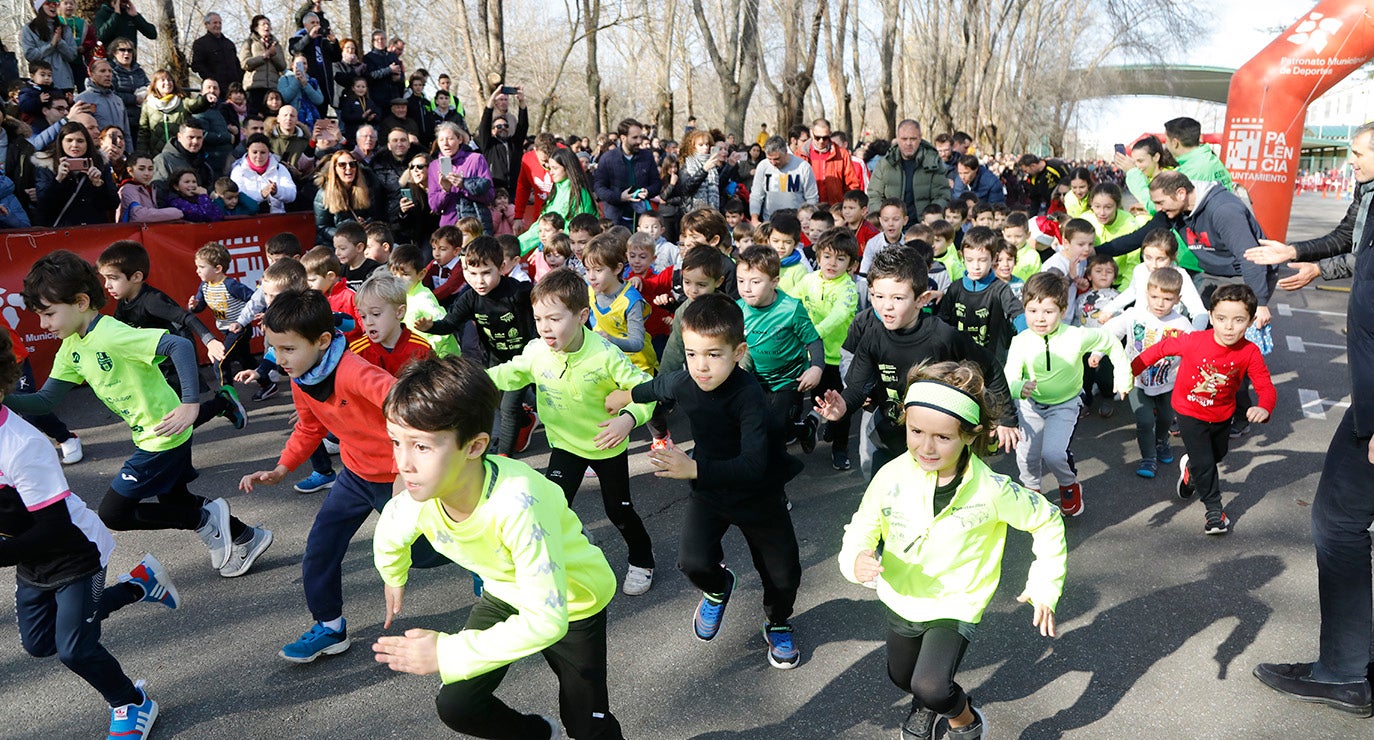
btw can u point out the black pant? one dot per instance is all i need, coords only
(1097, 378)
(767, 529)
(237, 347)
(510, 418)
(578, 659)
(176, 509)
(66, 622)
(1341, 515)
(839, 430)
(567, 469)
(784, 409)
(922, 659)
(1207, 443)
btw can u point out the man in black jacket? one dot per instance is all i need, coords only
(499, 144)
(215, 57)
(1042, 180)
(385, 74)
(1343, 509)
(321, 50)
(626, 177)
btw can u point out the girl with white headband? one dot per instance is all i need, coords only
(940, 517)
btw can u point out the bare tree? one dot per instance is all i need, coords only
(835, 37)
(591, 21)
(355, 24)
(888, 61)
(735, 57)
(798, 61)
(169, 38)
(377, 10)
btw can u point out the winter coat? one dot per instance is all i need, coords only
(251, 183)
(290, 149)
(503, 155)
(219, 143)
(201, 209)
(471, 199)
(159, 120)
(15, 217)
(216, 58)
(173, 158)
(61, 57)
(380, 86)
(19, 166)
(304, 95)
(834, 171)
(110, 25)
(129, 84)
(344, 75)
(138, 204)
(74, 201)
(109, 108)
(697, 187)
(326, 221)
(260, 72)
(928, 184)
(353, 114)
(614, 174)
(986, 186)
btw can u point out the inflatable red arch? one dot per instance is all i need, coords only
(1266, 105)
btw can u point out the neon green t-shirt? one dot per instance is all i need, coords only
(119, 363)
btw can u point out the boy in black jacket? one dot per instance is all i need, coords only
(737, 472)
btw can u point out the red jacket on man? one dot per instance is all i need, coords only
(835, 173)
(532, 188)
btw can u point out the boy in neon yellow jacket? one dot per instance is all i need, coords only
(546, 586)
(573, 369)
(942, 516)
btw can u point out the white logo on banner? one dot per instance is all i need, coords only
(1315, 31)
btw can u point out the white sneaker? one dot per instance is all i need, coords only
(215, 532)
(71, 450)
(555, 729)
(331, 447)
(638, 580)
(242, 557)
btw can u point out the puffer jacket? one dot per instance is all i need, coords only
(160, 119)
(929, 183)
(109, 107)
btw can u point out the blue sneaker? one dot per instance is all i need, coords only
(1164, 454)
(477, 585)
(1147, 468)
(156, 584)
(233, 407)
(320, 640)
(782, 652)
(711, 611)
(133, 721)
(316, 482)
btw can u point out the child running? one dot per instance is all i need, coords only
(831, 301)
(737, 470)
(1211, 368)
(61, 550)
(940, 515)
(573, 369)
(120, 364)
(978, 304)
(1044, 372)
(1142, 326)
(546, 587)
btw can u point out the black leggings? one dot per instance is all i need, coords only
(567, 469)
(578, 659)
(922, 659)
(176, 509)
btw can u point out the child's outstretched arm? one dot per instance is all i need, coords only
(1028, 511)
(627, 376)
(183, 356)
(858, 558)
(397, 529)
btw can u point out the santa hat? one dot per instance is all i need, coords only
(1045, 230)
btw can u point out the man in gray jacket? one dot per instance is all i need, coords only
(781, 181)
(100, 92)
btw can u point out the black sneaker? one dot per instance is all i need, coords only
(1185, 479)
(1294, 680)
(233, 408)
(810, 427)
(975, 730)
(1217, 523)
(839, 460)
(1239, 430)
(265, 392)
(920, 724)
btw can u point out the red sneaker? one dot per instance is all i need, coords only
(1071, 499)
(522, 437)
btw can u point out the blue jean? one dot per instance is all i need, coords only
(1342, 513)
(343, 511)
(65, 622)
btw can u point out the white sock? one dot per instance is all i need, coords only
(334, 624)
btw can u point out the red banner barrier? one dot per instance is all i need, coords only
(171, 247)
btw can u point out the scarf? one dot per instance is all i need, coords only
(255, 168)
(240, 110)
(329, 362)
(792, 259)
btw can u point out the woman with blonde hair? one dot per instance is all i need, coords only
(346, 193)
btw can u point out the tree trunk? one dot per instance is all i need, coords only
(735, 59)
(377, 9)
(888, 47)
(169, 37)
(495, 14)
(591, 20)
(479, 85)
(355, 25)
(855, 136)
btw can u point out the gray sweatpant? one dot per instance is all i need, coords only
(1048, 431)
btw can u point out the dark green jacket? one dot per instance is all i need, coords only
(928, 184)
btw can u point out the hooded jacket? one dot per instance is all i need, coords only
(175, 157)
(834, 171)
(928, 183)
(109, 107)
(251, 183)
(1218, 231)
(987, 186)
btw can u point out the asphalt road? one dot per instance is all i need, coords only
(1160, 625)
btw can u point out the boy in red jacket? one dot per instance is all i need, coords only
(1210, 372)
(333, 389)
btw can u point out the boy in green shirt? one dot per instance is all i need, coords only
(1045, 374)
(407, 262)
(573, 369)
(831, 301)
(786, 353)
(120, 364)
(546, 586)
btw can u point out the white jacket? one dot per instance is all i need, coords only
(251, 183)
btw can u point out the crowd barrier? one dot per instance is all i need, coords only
(172, 248)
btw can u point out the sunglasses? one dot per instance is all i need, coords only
(418, 166)
(345, 165)
(125, 50)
